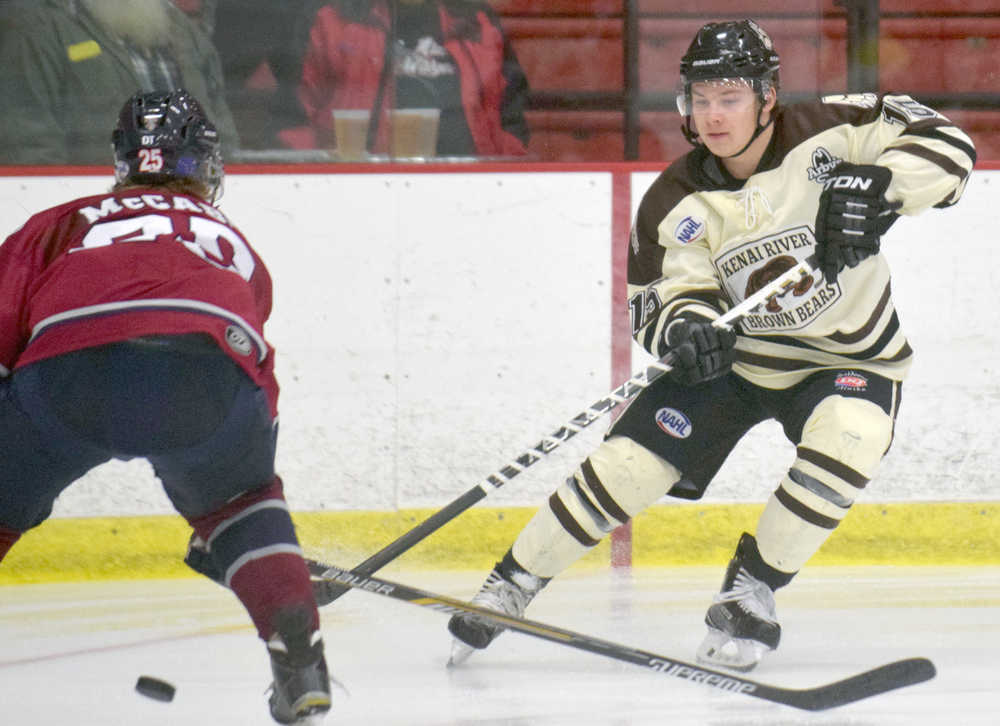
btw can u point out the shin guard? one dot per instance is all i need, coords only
(252, 542)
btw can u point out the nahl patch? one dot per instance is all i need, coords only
(673, 422)
(689, 229)
(850, 381)
(238, 340)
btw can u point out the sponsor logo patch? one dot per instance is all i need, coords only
(238, 340)
(689, 229)
(823, 162)
(850, 381)
(673, 422)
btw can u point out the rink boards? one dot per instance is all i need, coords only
(433, 323)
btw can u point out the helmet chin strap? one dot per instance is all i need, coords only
(760, 129)
(692, 137)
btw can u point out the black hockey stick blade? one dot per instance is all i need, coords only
(889, 677)
(885, 678)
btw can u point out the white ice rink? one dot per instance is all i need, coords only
(70, 653)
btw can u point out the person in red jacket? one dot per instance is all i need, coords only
(131, 326)
(446, 54)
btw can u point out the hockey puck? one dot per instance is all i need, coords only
(155, 688)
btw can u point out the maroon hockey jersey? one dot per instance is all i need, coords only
(132, 263)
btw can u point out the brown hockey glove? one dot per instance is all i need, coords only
(701, 350)
(853, 215)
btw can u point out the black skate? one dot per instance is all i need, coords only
(300, 693)
(742, 621)
(508, 589)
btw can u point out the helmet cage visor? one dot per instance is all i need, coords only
(689, 103)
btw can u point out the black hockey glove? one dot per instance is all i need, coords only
(853, 214)
(702, 351)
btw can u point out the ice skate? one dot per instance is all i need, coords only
(742, 621)
(300, 693)
(508, 589)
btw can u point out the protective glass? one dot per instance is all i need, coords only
(722, 95)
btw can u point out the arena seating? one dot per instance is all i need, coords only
(928, 47)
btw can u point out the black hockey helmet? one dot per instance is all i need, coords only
(734, 49)
(165, 135)
(731, 49)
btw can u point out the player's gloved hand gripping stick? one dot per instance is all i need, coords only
(701, 350)
(328, 591)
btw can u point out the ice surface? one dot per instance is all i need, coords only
(71, 653)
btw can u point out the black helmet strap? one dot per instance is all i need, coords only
(692, 137)
(761, 128)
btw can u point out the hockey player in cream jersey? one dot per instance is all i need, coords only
(765, 187)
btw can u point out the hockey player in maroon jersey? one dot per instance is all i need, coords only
(131, 325)
(766, 187)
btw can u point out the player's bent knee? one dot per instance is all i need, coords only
(845, 438)
(616, 482)
(843, 441)
(632, 476)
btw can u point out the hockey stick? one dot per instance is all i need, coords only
(625, 392)
(885, 678)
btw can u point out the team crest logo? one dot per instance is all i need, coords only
(689, 229)
(850, 381)
(774, 269)
(745, 269)
(673, 422)
(823, 162)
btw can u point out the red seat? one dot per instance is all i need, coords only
(585, 8)
(965, 7)
(558, 54)
(982, 127)
(663, 42)
(577, 46)
(949, 54)
(598, 136)
(707, 10)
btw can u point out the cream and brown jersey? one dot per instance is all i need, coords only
(703, 241)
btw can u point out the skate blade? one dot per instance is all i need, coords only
(460, 653)
(723, 650)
